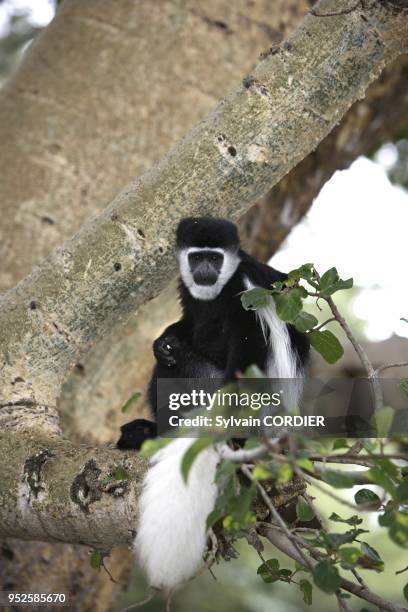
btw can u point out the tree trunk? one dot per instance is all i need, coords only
(103, 92)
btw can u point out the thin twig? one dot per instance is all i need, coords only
(139, 604)
(356, 448)
(168, 601)
(285, 545)
(343, 459)
(325, 323)
(108, 572)
(367, 365)
(397, 364)
(241, 455)
(358, 578)
(358, 478)
(212, 553)
(275, 514)
(351, 458)
(343, 605)
(310, 500)
(337, 498)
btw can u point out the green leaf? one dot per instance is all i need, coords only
(337, 480)
(119, 473)
(326, 576)
(229, 486)
(340, 443)
(305, 321)
(399, 529)
(383, 418)
(386, 519)
(150, 447)
(261, 472)
(401, 494)
(349, 554)
(388, 467)
(269, 571)
(379, 477)
(133, 398)
(305, 464)
(214, 516)
(253, 371)
(284, 473)
(328, 279)
(304, 512)
(192, 453)
(326, 343)
(256, 298)
(307, 590)
(306, 272)
(240, 505)
(330, 282)
(371, 553)
(405, 591)
(365, 496)
(96, 560)
(333, 540)
(225, 470)
(289, 304)
(353, 520)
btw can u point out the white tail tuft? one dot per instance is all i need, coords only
(171, 535)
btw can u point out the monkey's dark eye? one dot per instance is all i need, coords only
(196, 257)
(214, 257)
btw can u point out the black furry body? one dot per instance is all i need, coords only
(214, 339)
(218, 338)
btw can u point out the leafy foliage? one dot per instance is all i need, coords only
(289, 299)
(96, 559)
(326, 550)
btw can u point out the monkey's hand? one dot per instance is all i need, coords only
(167, 350)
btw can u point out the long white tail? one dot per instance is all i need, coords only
(282, 360)
(171, 534)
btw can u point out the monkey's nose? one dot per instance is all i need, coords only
(205, 274)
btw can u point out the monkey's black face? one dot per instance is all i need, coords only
(208, 255)
(205, 266)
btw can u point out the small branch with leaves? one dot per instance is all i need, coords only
(252, 480)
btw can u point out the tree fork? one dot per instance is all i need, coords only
(281, 111)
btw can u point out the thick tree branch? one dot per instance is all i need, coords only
(57, 492)
(380, 116)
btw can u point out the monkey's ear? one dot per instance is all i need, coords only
(135, 433)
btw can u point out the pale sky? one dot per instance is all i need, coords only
(40, 12)
(359, 223)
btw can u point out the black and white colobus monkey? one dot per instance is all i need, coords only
(215, 338)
